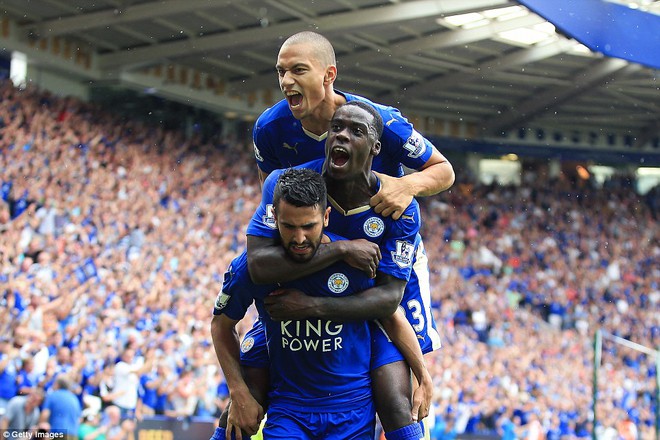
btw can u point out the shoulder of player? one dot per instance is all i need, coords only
(410, 218)
(271, 179)
(316, 165)
(237, 272)
(272, 115)
(393, 120)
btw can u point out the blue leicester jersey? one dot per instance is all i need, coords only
(315, 364)
(398, 239)
(280, 141)
(400, 243)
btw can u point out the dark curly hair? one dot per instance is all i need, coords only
(300, 187)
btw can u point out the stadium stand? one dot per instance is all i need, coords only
(114, 236)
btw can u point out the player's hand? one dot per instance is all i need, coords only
(393, 197)
(245, 415)
(422, 398)
(363, 255)
(289, 304)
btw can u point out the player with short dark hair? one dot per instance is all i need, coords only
(351, 146)
(319, 368)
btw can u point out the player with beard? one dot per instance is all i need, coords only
(319, 368)
(351, 145)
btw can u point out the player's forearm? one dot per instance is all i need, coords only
(374, 303)
(268, 263)
(430, 180)
(227, 350)
(404, 338)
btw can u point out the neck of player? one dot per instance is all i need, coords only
(352, 193)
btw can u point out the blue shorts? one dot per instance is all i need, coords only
(287, 424)
(383, 350)
(416, 303)
(254, 350)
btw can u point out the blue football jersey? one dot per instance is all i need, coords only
(398, 239)
(315, 364)
(401, 248)
(280, 141)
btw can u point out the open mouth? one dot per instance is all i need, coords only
(294, 99)
(300, 249)
(339, 156)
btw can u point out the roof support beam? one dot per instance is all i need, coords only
(99, 19)
(335, 22)
(524, 111)
(517, 58)
(416, 45)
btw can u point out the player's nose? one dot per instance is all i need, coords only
(299, 236)
(286, 79)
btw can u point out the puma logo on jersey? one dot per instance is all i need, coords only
(388, 123)
(289, 147)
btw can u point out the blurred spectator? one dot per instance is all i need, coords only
(9, 365)
(127, 382)
(62, 409)
(22, 412)
(183, 400)
(116, 428)
(91, 428)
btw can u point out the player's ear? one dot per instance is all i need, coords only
(375, 150)
(326, 217)
(330, 75)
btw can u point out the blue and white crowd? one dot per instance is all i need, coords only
(114, 237)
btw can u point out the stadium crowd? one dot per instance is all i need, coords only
(115, 235)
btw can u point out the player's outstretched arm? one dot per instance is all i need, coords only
(403, 336)
(376, 302)
(268, 262)
(245, 413)
(395, 194)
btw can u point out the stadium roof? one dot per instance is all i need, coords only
(493, 65)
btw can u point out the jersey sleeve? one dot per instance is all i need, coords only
(262, 223)
(411, 148)
(236, 294)
(400, 242)
(263, 146)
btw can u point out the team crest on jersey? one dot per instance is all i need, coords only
(374, 226)
(338, 282)
(415, 145)
(247, 344)
(403, 255)
(257, 153)
(269, 218)
(221, 301)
